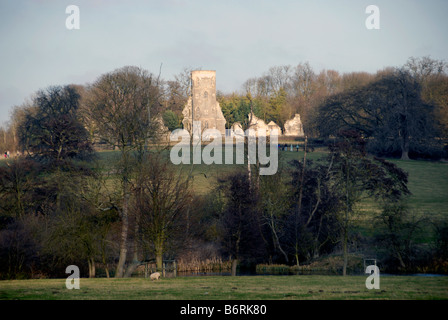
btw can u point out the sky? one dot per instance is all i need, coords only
(238, 39)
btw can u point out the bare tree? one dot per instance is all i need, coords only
(123, 105)
(162, 198)
(423, 68)
(178, 91)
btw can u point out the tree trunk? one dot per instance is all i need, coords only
(91, 263)
(124, 233)
(344, 268)
(405, 148)
(135, 261)
(347, 211)
(159, 261)
(404, 155)
(159, 254)
(277, 240)
(400, 259)
(299, 205)
(297, 257)
(107, 271)
(344, 243)
(237, 247)
(131, 268)
(404, 138)
(103, 256)
(234, 265)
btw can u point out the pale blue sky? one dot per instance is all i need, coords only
(239, 39)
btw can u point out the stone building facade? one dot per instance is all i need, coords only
(202, 105)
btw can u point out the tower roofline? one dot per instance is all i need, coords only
(203, 71)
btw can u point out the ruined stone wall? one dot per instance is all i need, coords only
(294, 127)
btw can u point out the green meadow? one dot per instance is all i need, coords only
(230, 288)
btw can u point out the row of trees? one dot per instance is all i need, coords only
(307, 210)
(61, 205)
(397, 111)
(402, 110)
(56, 213)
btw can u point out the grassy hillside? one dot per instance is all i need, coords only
(428, 181)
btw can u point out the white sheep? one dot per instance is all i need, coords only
(155, 276)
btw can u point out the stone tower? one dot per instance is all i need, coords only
(202, 105)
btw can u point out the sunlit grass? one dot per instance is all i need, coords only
(230, 288)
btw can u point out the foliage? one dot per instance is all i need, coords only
(58, 206)
(399, 228)
(239, 223)
(124, 106)
(390, 111)
(18, 185)
(162, 198)
(354, 175)
(313, 225)
(171, 120)
(51, 130)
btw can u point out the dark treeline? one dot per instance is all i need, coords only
(61, 204)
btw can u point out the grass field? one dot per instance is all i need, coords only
(230, 288)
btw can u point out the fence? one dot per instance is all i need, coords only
(169, 267)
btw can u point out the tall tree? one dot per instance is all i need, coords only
(50, 132)
(432, 76)
(315, 209)
(356, 176)
(274, 194)
(425, 68)
(51, 129)
(178, 91)
(437, 94)
(408, 119)
(163, 196)
(124, 105)
(390, 110)
(239, 223)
